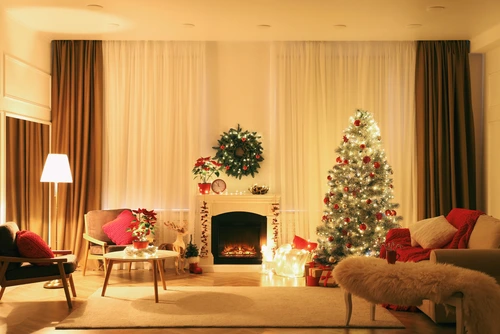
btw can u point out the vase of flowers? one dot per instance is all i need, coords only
(142, 227)
(205, 169)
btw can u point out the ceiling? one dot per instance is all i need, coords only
(260, 20)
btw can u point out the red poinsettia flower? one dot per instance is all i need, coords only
(205, 168)
(144, 223)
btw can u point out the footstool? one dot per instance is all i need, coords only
(378, 282)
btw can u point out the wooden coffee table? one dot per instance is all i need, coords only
(155, 260)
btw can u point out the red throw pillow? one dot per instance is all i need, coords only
(32, 245)
(116, 229)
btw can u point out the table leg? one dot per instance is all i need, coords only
(162, 277)
(348, 307)
(106, 279)
(155, 278)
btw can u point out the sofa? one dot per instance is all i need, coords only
(474, 244)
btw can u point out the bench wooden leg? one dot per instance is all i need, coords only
(372, 312)
(348, 307)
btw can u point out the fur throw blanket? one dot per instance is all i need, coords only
(409, 283)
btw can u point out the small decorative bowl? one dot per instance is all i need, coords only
(258, 190)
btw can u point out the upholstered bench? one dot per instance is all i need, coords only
(475, 295)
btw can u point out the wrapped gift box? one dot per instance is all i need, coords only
(326, 279)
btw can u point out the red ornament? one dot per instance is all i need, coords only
(372, 175)
(243, 139)
(362, 146)
(336, 206)
(257, 156)
(326, 200)
(245, 167)
(339, 159)
(366, 159)
(346, 189)
(362, 226)
(368, 201)
(393, 213)
(330, 238)
(347, 219)
(331, 193)
(376, 164)
(357, 122)
(390, 186)
(348, 245)
(345, 139)
(346, 162)
(222, 147)
(324, 218)
(329, 177)
(388, 212)
(228, 167)
(344, 232)
(379, 215)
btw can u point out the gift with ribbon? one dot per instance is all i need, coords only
(326, 279)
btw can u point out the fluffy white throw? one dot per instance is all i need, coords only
(409, 283)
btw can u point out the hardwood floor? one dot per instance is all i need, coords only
(33, 309)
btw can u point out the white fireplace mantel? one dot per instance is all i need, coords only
(213, 205)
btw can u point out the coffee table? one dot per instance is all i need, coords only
(155, 260)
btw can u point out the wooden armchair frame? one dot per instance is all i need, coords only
(59, 261)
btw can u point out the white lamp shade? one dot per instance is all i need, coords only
(56, 169)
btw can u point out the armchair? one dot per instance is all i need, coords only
(97, 242)
(17, 270)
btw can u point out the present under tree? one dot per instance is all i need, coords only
(358, 206)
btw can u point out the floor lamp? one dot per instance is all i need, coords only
(56, 170)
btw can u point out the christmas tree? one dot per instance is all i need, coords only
(358, 210)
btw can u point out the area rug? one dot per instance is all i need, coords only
(215, 306)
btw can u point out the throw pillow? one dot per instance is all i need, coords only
(33, 246)
(433, 232)
(116, 229)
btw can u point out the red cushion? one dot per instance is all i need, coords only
(116, 229)
(32, 245)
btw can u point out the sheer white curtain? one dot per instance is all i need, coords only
(154, 98)
(318, 86)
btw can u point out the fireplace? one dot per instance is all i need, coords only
(237, 237)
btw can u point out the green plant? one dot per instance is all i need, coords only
(191, 249)
(143, 225)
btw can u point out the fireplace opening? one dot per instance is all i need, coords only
(237, 237)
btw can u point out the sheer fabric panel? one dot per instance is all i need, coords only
(318, 87)
(154, 95)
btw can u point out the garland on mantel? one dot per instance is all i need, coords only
(275, 209)
(204, 229)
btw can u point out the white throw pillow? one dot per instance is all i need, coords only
(432, 232)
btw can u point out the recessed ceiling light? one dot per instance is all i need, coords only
(264, 26)
(95, 6)
(188, 25)
(339, 26)
(435, 8)
(414, 26)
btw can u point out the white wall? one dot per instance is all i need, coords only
(24, 82)
(492, 130)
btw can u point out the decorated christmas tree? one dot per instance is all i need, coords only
(358, 209)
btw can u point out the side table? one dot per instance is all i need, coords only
(155, 260)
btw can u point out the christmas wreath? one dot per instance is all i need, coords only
(239, 152)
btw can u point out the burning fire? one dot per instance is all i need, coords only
(239, 251)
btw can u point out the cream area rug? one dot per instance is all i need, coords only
(216, 306)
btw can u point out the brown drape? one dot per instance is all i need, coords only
(77, 121)
(27, 198)
(445, 128)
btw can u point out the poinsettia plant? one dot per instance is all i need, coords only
(143, 224)
(205, 169)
